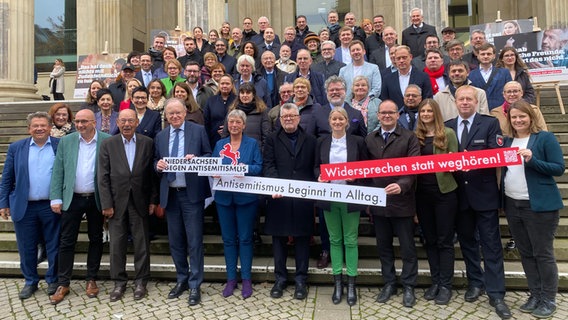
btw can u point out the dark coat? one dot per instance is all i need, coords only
(214, 114)
(391, 86)
(196, 143)
(151, 124)
(401, 143)
(374, 42)
(356, 151)
(485, 133)
(275, 48)
(328, 69)
(194, 56)
(317, 82)
(257, 127)
(279, 77)
(229, 62)
(259, 84)
(378, 55)
(289, 216)
(313, 119)
(416, 40)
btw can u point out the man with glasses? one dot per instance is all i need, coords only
(291, 41)
(227, 60)
(289, 153)
(375, 40)
(183, 195)
(128, 192)
(397, 217)
(432, 42)
(329, 66)
(336, 89)
(145, 74)
(248, 32)
(200, 93)
(74, 191)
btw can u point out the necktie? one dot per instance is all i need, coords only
(147, 79)
(465, 134)
(386, 136)
(174, 153)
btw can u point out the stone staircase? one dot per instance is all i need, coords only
(13, 127)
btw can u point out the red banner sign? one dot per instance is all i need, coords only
(469, 160)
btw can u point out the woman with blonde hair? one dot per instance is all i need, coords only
(127, 102)
(57, 80)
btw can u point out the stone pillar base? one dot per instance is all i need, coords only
(17, 91)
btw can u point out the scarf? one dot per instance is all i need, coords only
(361, 106)
(60, 132)
(433, 76)
(247, 108)
(506, 106)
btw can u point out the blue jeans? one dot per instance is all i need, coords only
(534, 236)
(237, 224)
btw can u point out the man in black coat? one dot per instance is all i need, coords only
(397, 218)
(289, 153)
(191, 53)
(415, 35)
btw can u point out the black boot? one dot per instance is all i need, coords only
(351, 291)
(337, 289)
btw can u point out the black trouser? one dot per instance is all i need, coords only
(70, 223)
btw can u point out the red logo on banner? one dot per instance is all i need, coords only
(228, 153)
(470, 160)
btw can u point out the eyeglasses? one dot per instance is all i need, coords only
(289, 117)
(387, 113)
(411, 95)
(139, 98)
(512, 91)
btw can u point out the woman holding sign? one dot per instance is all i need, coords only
(532, 201)
(342, 219)
(437, 201)
(237, 211)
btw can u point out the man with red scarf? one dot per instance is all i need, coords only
(435, 69)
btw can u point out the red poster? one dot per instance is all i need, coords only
(469, 160)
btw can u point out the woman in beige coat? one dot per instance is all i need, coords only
(57, 80)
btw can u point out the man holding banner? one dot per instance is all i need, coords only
(397, 218)
(478, 132)
(289, 153)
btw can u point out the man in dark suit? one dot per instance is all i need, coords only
(478, 220)
(289, 153)
(24, 195)
(394, 84)
(145, 75)
(274, 76)
(397, 218)
(381, 55)
(269, 43)
(375, 40)
(304, 61)
(183, 196)
(228, 61)
(358, 32)
(128, 196)
(329, 66)
(74, 192)
(489, 78)
(415, 35)
(191, 53)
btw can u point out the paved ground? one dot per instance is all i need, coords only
(317, 306)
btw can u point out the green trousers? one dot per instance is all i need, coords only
(343, 228)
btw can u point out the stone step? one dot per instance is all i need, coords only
(162, 267)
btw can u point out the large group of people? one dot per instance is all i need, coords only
(343, 94)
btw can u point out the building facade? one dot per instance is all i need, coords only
(91, 26)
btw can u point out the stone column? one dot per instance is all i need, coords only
(17, 50)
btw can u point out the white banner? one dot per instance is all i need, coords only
(303, 189)
(204, 166)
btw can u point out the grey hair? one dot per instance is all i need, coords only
(248, 59)
(413, 86)
(335, 79)
(38, 114)
(328, 42)
(416, 9)
(172, 100)
(237, 114)
(290, 106)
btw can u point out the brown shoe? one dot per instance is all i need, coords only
(92, 289)
(59, 295)
(117, 293)
(139, 291)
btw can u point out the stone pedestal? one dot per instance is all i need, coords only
(17, 50)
